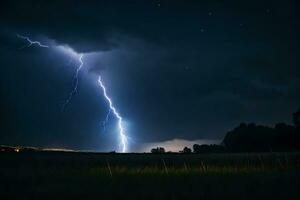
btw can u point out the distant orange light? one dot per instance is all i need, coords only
(17, 150)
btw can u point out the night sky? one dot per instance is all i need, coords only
(177, 71)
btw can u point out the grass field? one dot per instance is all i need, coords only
(60, 175)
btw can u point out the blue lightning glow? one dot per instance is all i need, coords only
(112, 109)
(122, 135)
(30, 42)
(75, 81)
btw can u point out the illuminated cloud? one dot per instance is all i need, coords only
(176, 145)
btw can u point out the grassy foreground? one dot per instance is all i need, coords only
(60, 175)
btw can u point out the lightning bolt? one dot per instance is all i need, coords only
(75, 82)
(30, 42)
(112, 109)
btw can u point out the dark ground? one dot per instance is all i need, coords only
(61, 175)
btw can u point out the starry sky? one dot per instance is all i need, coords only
(178, 72)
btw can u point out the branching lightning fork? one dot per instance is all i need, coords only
(75, 79)
(30, 42)
(75, 82)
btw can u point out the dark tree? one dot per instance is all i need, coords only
(187, 150)
(250, 137)
(196, 148)
(204, 148)
(158, 150)
(257, 138)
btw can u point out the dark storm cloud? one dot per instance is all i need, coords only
(65, 22)
(184, 69)
(97, 25)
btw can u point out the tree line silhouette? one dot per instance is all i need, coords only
(253, 138)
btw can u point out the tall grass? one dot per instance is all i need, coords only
(148, 176)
